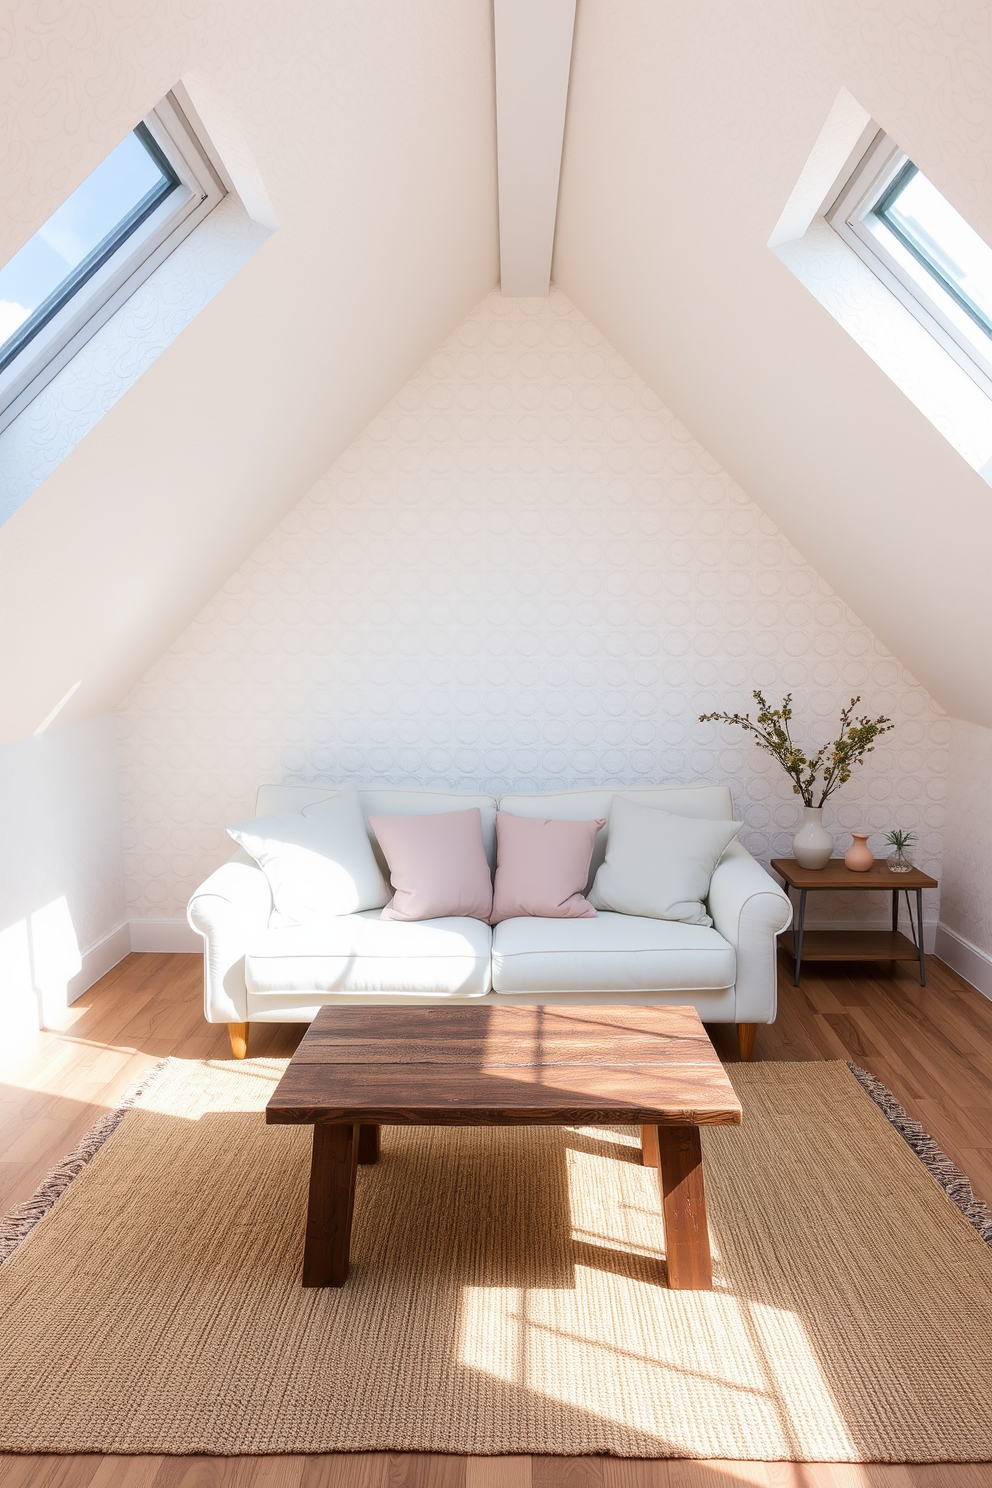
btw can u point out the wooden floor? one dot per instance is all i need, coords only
(932, 1046)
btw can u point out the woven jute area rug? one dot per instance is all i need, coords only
(508, 1291)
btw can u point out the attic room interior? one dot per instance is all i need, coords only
(446, 445)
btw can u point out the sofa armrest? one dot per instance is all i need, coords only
(751, 911)
(227, 909)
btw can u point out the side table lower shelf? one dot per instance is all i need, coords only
(856, 945)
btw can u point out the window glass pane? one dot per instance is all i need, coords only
(97, 216)
(924, 218)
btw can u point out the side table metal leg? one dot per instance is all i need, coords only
(916, 930)
(798, 951)
(895, 910)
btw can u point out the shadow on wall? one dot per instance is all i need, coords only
(39, 956)
(61, 870)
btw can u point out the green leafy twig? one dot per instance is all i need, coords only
(834, 762)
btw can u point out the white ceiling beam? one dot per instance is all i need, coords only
(533, 53)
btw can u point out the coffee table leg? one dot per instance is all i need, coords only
(368, 1144)
(687, 1241)
(331, 1205)
(649, 1146)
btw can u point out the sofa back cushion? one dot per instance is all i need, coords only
(437, 865)
(659, 864)
(542, 864)
(318, 862)
(713, 802)
(388, 800)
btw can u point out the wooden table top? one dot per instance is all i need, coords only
(836, 875)
(499, 1066)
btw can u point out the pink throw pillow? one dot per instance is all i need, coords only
(437, 865)
(542, 867)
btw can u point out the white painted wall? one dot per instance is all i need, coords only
(61, 869)
(372, 129)
(965, 934)
(526, 573)
(688, 128)
(123, 349)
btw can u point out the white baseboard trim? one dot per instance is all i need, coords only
(930, 928)
(964, 958)
(165, 935)
(97, 961)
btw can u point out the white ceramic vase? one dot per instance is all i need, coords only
(812, 845)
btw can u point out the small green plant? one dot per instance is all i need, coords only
(833, 764)
(900, 840)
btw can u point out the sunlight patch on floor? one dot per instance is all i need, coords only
(618, 1344)
(241, 1085)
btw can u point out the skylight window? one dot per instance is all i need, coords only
(95, 250)
(924, 250)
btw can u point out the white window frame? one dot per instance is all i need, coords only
(96, 300)
(923, 295)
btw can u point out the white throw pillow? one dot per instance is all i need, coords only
(319, 862)
(659, 865)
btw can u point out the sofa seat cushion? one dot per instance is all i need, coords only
(615, 952)
(365, 953)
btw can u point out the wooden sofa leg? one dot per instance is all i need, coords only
(239, 1039)
(745, 1038)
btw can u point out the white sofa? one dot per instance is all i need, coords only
(254, 974)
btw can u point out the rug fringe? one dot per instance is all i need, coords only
(951, 1179)
(17, 1224)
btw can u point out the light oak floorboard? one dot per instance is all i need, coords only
(125, 1472)
(931, 1045)
(498, 1472)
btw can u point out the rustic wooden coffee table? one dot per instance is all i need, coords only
(357, 1069)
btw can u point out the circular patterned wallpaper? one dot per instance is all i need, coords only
(526, 574)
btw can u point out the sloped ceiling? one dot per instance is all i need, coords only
(373, 129)
(688, 127)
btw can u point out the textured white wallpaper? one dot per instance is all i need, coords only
(524, 574)
(966, 901)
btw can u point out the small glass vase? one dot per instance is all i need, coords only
(901, 861)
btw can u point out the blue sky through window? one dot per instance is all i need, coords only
(941, 239)
(109, 203)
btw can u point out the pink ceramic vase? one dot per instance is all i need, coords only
(859, 855)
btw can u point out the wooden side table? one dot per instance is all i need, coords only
(856, 945)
